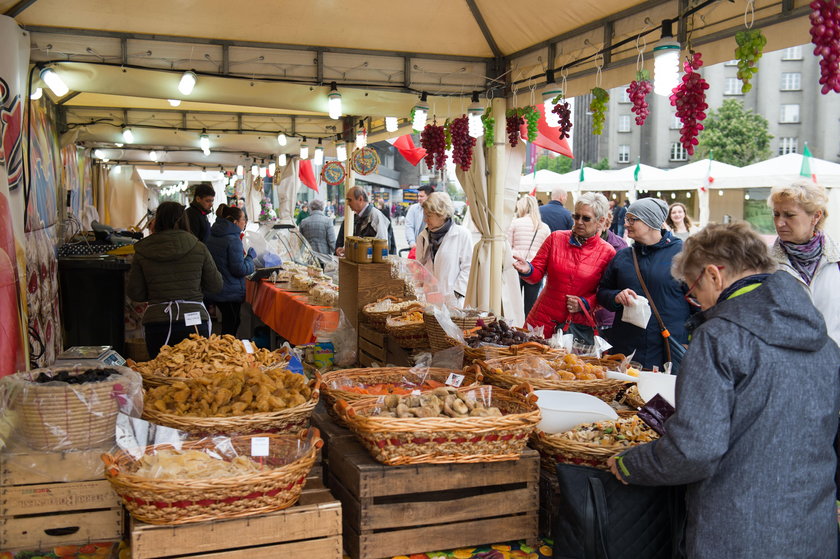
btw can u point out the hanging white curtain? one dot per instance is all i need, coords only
(286, 190)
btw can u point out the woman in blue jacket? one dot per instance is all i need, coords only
(233, 263)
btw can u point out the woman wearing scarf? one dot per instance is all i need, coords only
(804, 250)
(572, 263)
(445, 248)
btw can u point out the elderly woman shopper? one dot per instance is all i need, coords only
(445, 248)
(318, 229)
(572, 263)
(756, 410)
(654, 249)
(526, 235)
(803, 250)
(171, 270)
(225, 244)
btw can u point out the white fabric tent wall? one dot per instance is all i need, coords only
(286, 190)
(544, 179)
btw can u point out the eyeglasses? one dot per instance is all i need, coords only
(631, 220)
(691, 299)
(584, 218)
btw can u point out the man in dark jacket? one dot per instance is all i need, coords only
(318, 229)
(201, 206)
(554, 214)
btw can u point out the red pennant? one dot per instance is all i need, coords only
(307, 175)
(405, 145)
(548, 137)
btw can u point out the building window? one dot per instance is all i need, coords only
(676, 123)
(793, 53)
(791, 81)
(624, 153)
(624, 123)
(731, 63)
(732, 87)
(625, 97)
(788, 145)
(678, 152)
(789, 114)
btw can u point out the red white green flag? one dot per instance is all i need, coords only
(805, 170)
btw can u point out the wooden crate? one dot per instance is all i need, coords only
(39, 512)
(311, 528)
(400, 510)
(377, 349)
(364, 283)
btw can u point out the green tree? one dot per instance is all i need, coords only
(734, 135)
(560, 164)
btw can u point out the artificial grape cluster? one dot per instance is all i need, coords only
(564, 114)
(489, 127)
(689, 98)
(462, 142)
(433, 140)
(825, 34)
(513, 122)
(532, 117)
(637, 91)
(447, 135)
(750, 46)
(598, 108)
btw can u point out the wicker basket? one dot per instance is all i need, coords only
(65, 416)
(442, 440)
(495, 352)
(158, 501)
(289, 420)
(376, 319)
(152, 381)
(411, 335)
(495, 374)
(554, 450)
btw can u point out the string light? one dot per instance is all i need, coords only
(474, 112)
(720, 192)
(319, 154)
(341, 151)
(99, 154)
(187, 83)
(240, 170)
(272, 168)
(334, 102)
(128, 135)
(153, 155)
(255, 170)
(37, 94)
(281, 160)
(281, 139)
(174, 102)
(204, 143)
(421, 113)
(304, 149)
(666, 62)
(361, 138)
(392, 124)
(54, 82)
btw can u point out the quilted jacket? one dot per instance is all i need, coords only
(225, 246)
(523, 241)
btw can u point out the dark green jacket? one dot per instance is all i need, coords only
(172, 266)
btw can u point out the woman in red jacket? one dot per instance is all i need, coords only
(572, 263)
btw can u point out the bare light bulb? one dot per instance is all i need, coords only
(54, 82)
(319, 155)
(361, 138)
(334, 103)
(240, 171)
(255, 170)
(666, 62)
(341, 151)
(281, 160)
(475, 126)
(174, 102)
(187, 83)
(128, 135)
(281, 139)
(204, 142)
(392, 124)
(153, 155)
(304, 151)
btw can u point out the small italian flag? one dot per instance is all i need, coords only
(805, 170)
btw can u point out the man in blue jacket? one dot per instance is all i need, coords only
(554, 214)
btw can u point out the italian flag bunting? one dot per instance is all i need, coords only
(805, 170)
(637, 170)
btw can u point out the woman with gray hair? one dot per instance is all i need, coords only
(572, 263)
(756, 410)
(802, 248)
(445, 248)
(318, 229)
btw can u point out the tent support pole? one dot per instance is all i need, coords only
(496, 201)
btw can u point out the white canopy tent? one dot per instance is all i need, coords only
(781, 171)
(544, 179)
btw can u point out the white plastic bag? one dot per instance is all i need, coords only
(637, 314)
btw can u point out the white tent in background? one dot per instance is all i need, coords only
(622, 179)
(692, 176)
(782, 171)
(544, 179)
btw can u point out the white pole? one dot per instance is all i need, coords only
(496, 200)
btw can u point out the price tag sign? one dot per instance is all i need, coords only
(415, 392)
(259, 446)
(249, 348)
(192, 318)
(454, 379)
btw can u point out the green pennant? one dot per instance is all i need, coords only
(581, 173)
(637, 170)
(805, 170)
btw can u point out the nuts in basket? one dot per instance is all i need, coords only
(440, 402)
(240, 392)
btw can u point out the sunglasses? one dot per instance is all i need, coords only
(691, 299)
(584, 218)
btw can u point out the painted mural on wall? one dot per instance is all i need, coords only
(42, 210)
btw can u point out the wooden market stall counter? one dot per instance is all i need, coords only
(287, 312)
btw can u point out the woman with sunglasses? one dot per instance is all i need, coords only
(756, 411)
(655, 249)
(572, 263)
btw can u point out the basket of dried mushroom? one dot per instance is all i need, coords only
(445, 425)
(213, 479)
(376, 314)
(241, 401)
(198, 356)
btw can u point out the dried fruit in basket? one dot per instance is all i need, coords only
(499, 333)
(193, 464)
(240, 392)
(626, 431)
(440, 402)
(385, 388)
(76, 377)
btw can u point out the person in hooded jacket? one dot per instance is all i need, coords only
(655, 249)
(225, 245)
(171, 269)
(756, 409)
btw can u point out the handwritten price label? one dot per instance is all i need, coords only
(259, 446)
(249, 348)
(192, 318)
(454, 379)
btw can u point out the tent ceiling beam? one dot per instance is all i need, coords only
(16, 10)
(488, 36)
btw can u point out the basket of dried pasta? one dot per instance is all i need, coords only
(198, 356)
(558, 372)
(241, 401)
(407, 329)
(376, 314)
(447, 425)
(213, 478)
(591, 444)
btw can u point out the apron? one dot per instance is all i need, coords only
(177, 303)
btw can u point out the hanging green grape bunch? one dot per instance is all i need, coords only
(489, 125)
(447, 135)
(750, 46)
(598, 108)
(532, 118)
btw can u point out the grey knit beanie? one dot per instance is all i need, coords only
(652, 211)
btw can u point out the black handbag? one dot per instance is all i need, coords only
(601, 518)
(584, 335)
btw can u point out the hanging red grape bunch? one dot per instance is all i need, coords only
(564, 114)
(433, 140)
(825, 34)
(462, 142)
(637, 91)
(689, 98)
(512, 123)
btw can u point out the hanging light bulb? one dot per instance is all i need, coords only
(272, 169)
(99, 154)
(281, 139)
(666, 61)
(187, 83)
(421, 112)
(281, 160)
(263, 171)
(319, 153)
(117, 169)
(720, 192)
(174, 102)
(746, 196)
(673, 196)
(206, 152)
(204, 141)
(549, 93)
(334, 102)
(361, 138)
(54, 82)
(153, 155)
(37, 94)
(255, 170)
(240, 170)
(119, 144)
(304, 149)
(474, 112)
(392, 124)
(128, 135)
(341, 151)
(688, 194)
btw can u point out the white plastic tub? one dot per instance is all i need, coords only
(563, 410)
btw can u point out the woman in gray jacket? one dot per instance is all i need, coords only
(757, 407)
